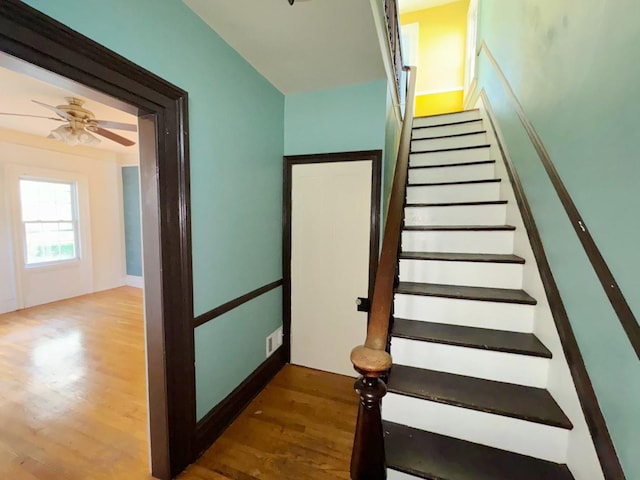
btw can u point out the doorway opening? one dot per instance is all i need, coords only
(90, 71)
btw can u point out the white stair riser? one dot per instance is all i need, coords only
(520, 436)
(461, 241)
(465, 192)
(472, 274)
(452, 174)
(443, 119)
(471, 362)
(450, 156)
(449, 142)
(396, 475)
(456, 215)
(512, 317)
(456, 129)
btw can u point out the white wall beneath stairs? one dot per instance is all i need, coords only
(102, 170)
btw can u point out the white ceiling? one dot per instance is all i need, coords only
(415, 5)
(16, 92)
(312, 45)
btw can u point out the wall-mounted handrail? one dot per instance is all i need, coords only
(372, 360)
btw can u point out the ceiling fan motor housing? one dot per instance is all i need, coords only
(79, 117)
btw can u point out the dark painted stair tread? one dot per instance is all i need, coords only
(484, 294)
(471, 337)
(427, 228)
(463, 257)
(436, 457)
(507, 399)
(451, 149)
(446, 124)
(448, 165)
(458, 204)
(462, 182)
(453, 135)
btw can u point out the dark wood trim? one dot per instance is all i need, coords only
(236, 302)
(222, 415)
(595, 420)
(375, 156)
(455, 149)
(609, 284)
(29, 35)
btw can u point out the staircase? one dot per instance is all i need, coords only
(467, 397)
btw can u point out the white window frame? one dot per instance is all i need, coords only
(74, 221)
(470, 72)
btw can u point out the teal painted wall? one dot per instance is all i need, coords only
(236, 120)
(131, 208)
(250, 323)
(574, 67)
(337, 120)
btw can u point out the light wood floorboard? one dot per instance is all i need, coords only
(73, 404)
(73, 390)
(300, 427)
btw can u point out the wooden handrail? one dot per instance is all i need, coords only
(371, 359)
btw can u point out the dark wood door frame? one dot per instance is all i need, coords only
(31, 36)
(375, 156)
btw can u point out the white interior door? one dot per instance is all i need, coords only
(330, 242)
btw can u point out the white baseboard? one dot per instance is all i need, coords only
(134, 281)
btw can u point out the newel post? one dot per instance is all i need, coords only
(367, 457)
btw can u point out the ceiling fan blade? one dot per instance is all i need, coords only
(61, 113)
(32, 116)
(129, 127)
(112, 136)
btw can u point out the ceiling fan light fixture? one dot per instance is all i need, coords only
(69, 136)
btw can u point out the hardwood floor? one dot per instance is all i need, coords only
(73, 404)
(73, 390)
(300, 427)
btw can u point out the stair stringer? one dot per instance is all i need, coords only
(581, 456)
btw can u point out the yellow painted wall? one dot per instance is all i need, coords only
(441, 57)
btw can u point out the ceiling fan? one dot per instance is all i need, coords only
(80, 124)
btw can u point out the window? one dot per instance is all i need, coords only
(49, 219)
(472, 39)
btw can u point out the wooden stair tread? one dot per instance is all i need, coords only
(463, 257)
(445, 124)
(477, 132)
(506, 399)
(448, 165)
(457, 204)
(460, 182)
(436, 457)
(471, 337)
(450, 149)
(504, 295)
(427, 228)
